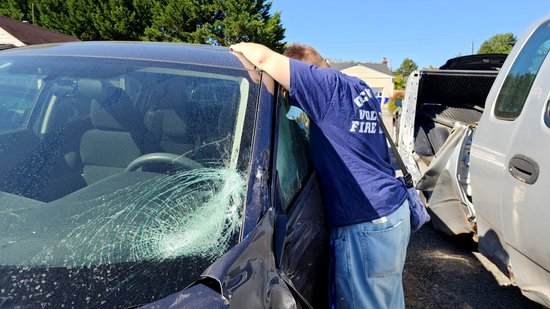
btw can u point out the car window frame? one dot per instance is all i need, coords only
(513, 95)
(288, 200)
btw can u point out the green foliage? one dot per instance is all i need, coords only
(401, 74)
(430, 67)
(217, 22)
(250, 21)
(397, 95)
(179, 20)
(498, 43)
(15, 9)
(399, 82)
(67, 16)
(406, 68)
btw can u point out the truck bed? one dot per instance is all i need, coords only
(444, 98)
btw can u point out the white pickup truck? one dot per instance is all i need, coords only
(482, 159)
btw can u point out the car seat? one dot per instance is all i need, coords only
(167, 119)
(117, 136)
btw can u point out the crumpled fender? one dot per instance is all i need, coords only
(454, 213)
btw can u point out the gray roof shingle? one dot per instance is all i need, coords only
(380, 67)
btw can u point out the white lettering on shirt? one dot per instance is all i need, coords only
(359, 101)
(363, 96)
(368, 121)
(363, 126)
(367, 115)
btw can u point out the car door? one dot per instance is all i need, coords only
(510, 167)
(280, 261)
(303, 255)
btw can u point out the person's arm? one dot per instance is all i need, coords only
(273, 63)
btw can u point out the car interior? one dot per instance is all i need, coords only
(82, 130)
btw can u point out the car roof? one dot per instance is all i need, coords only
(156, 51)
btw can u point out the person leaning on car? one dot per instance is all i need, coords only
(365, 204)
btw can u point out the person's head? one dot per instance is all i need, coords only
(306, 54)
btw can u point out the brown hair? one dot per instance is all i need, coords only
(306, 54)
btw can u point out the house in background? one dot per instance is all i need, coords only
(14, 33)
(377, 75)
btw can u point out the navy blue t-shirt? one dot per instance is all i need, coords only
(348, 147)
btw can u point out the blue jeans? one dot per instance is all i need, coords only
(368, 260)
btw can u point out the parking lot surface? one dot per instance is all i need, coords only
(448, 272)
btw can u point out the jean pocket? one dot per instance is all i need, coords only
(384, 251)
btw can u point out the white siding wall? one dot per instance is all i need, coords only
(6, 38)
(373, 78)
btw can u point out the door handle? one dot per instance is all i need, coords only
(524, 169)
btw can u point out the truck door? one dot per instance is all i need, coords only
(511, 166)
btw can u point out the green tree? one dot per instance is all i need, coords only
(406, 68)
(248, 21)
(215, 22)
(96, 19)
(399, 82)
(403, 72)
(60, 15)
(177, 20)
(16, 9)
(498, 43)
(430, 67)
(120, 19)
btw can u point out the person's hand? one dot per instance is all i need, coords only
(254, 75)
(265, 59)
(244, 47)
(237, 47)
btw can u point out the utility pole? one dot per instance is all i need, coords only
(32, 8)
(472, 47)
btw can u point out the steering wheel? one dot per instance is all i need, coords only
(177, 161)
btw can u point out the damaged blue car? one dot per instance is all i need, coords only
(157, 175)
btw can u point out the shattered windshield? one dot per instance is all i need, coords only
(120, 180)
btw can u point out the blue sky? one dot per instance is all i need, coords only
(427, 31)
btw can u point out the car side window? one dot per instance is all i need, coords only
(521, 77)
(293, 162)
(16, 100)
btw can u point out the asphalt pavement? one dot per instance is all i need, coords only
(448, 272)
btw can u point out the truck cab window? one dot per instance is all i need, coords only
(519, 80)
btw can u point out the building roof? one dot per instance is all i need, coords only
(30, 34)
(380, 67)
